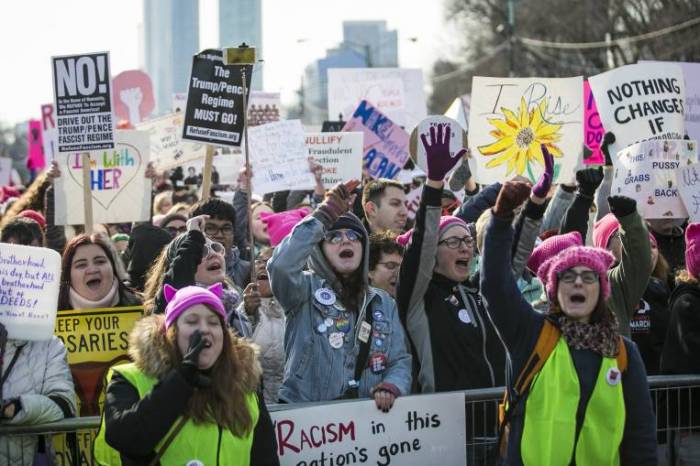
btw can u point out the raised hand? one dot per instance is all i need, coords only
(132, 98)
(545, 182)
(512, 194)
(589, 179)
(437, 152)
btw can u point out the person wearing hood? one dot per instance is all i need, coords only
(343, 338)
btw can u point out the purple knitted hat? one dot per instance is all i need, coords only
(596, 259)
(550, 248)
(184, 298)
(446, 222)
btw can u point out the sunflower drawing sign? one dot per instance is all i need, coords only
(510, 120)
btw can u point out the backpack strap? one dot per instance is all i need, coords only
(622, 355)
(549, 336)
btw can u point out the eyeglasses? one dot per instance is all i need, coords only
(174, 231)
(390, 265)
(336, 236)
(455, 243)
(587, 276)
(212, 247)
(212, 230)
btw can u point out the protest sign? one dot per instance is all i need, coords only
(133, 96)
(95, 340)
(83, 102)
(120, 190)
(418, 430)
(279, 157)
(385, 144)
(29, 282)
(168, 150)
(329, 126)
(398, 93)
(458, 138)
(642, 101)
(263, 107)
(225, 168)
(35, 146)
(48, 133)
(340, 154)
(214, 112)
(459, 111)
(594, 130)
(179, 102)
(647, 172)
(688, 178)
(412, 201)
(5, 170)
(510, 118)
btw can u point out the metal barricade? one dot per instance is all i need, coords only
(676, 400)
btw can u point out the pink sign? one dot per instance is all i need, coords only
(593, 127)
(132, 94)
(35, 152)
(385, 147)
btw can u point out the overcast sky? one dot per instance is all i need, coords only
(31, 31)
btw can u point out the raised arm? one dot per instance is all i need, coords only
(576, 217)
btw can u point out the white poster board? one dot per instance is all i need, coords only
(340, 154)
(459, 110)
(168, 150)
(5, 171)
(396, 92)
(458, 138)
(120, 190)
(688, 177)
(30, 278)
(263, 107)
(49, 133)
(642, 101)
(646, 172)
(510, 118)
(225, 169)
(279, 157)
(418, 431)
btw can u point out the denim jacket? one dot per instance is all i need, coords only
(314, 369)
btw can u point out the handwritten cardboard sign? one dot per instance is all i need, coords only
(593, 128)
(509, 120)
(120, 190)
(647, 172)
(398, 93)
(688, 178)
(340, 154)
(385, 143)
(412, 201)
(642, 101)
(279, 157)
(29, 282)
(417, 431)
(167, 149)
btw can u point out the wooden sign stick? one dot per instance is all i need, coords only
(249, 189)
(206, 173)
(87, 194)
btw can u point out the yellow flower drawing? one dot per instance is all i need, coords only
(519, 138)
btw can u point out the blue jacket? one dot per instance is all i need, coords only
(314, 370)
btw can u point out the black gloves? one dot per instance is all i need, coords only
(190, 361)
(588, 180)
(622, 206)
(608, 139)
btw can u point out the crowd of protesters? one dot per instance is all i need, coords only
(336, 293)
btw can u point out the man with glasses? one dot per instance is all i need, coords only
(219, 228)
(385, 256)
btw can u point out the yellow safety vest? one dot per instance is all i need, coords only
(194, 442)
(549, 431)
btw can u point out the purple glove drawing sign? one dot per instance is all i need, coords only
(544, 183)
(437, 152)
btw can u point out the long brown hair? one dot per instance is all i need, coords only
(234, 375)
(31, 199)
(154, 282)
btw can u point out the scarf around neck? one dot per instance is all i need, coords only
(110, 300)
(600, 337)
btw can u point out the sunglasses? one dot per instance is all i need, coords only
(212, 247)
(336, 236)
(587, 276)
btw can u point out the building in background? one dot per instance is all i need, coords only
(241, 21)
(366, 44)
(170, 39)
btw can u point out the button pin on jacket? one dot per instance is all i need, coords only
(613, 376)
(453, 300)
(325, 296)
(322, 327)
(336, 339)
(464, 316)
(378, 315)
(363, 334)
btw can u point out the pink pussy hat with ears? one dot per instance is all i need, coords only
(446, 222)
(550, 248)
(597, 259)
(604, 229)
(281, 224)
(184, 298)
(692, 249)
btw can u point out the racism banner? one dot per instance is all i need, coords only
(385, 150)
(510, 119)
(396, 92)
(167, 149)
(416, 431)
(120, 190)
(593, 128)
(49, 133)
(647, 172)
(642, 101)
(29, 282)
(279, 157)
(95, 339)
(340, 154)
(133, 96)
(688, 177)
(263, 107)
(214, 112)
(83, 102)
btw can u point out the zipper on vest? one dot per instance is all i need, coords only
(218, 448)
(473, 305)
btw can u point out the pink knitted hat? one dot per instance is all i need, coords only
(280, 224)
(604, 229)
(34, 215)
(551, 247)
(596, 259)
(184, 298)
(446, 222)
(692, 249)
